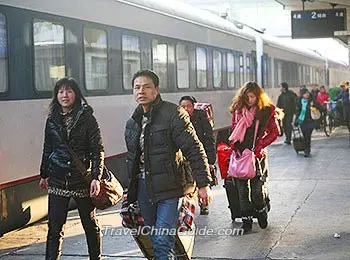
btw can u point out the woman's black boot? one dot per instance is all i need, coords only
(247, 224)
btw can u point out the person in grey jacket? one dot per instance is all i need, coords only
(159, 136)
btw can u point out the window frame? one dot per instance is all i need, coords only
(206, 66)
(106, 30)
(189, 66)
(129, 33)
(221, 85)
(167, 43)
(50, 19)
(7, 87)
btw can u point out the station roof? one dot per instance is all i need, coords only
(313, 4)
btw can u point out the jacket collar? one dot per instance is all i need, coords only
(155, 105)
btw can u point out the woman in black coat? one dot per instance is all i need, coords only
(303, 117)
(71, 124)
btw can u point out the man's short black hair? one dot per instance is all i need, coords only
(284, 85)
(189, 98)
(146, 73)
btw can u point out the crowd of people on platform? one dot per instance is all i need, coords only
(298, 107)
(170, 153)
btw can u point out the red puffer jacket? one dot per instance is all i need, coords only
(268, 129)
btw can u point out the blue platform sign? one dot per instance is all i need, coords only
(318, 23)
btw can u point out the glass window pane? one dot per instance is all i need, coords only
(241, 70)
(182, 66)
(3, 54)
(48, 54)
(230, 70)
(201, 61)
(96, 59)
(160, 61)
(131, 53)
(248, 72)
(217, 69)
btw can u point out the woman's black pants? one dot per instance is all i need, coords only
(252, 195)
(58, 210)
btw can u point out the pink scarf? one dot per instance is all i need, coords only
(245, 120)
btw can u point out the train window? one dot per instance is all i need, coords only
(241, 70)
(247, 58)
(48, 54)
(265, 71)
(131, 53)
(230, 70)
(217, 69)
(201, 62)
(182, 66)
(160, 61)
(279, 72)
(96, 59)
(3, 54)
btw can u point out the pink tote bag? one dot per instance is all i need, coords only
(242, 166)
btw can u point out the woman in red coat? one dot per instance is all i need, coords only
(250, 104)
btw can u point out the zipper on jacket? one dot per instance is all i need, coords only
(75, 122)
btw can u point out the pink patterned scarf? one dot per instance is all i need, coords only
(245, 120)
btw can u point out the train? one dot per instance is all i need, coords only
(102, 43)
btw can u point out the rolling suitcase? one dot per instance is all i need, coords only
(298, 140)
(232, 197)
(184, 242)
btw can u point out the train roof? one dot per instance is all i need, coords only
(205, 18)
(185, 12)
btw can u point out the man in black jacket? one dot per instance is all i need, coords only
(156, 136)
(287, 101)
(204, 131)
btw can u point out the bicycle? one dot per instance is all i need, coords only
(331, 118)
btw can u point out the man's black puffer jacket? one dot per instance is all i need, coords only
(167, 174)
(85, 140)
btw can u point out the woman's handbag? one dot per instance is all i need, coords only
(111, 191)
(315, 113)
(242, 166)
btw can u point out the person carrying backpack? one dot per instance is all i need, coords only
(204, 132)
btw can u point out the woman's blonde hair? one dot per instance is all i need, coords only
(240, 99)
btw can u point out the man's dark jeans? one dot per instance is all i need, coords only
(161, 216)
(287, 128)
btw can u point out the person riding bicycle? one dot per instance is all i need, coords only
(322, 96)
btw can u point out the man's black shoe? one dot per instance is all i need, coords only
(204, 211)
(287, 142)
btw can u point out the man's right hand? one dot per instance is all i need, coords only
(44, 183)
(205, 196)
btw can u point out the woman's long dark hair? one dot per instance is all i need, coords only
(66, 82)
